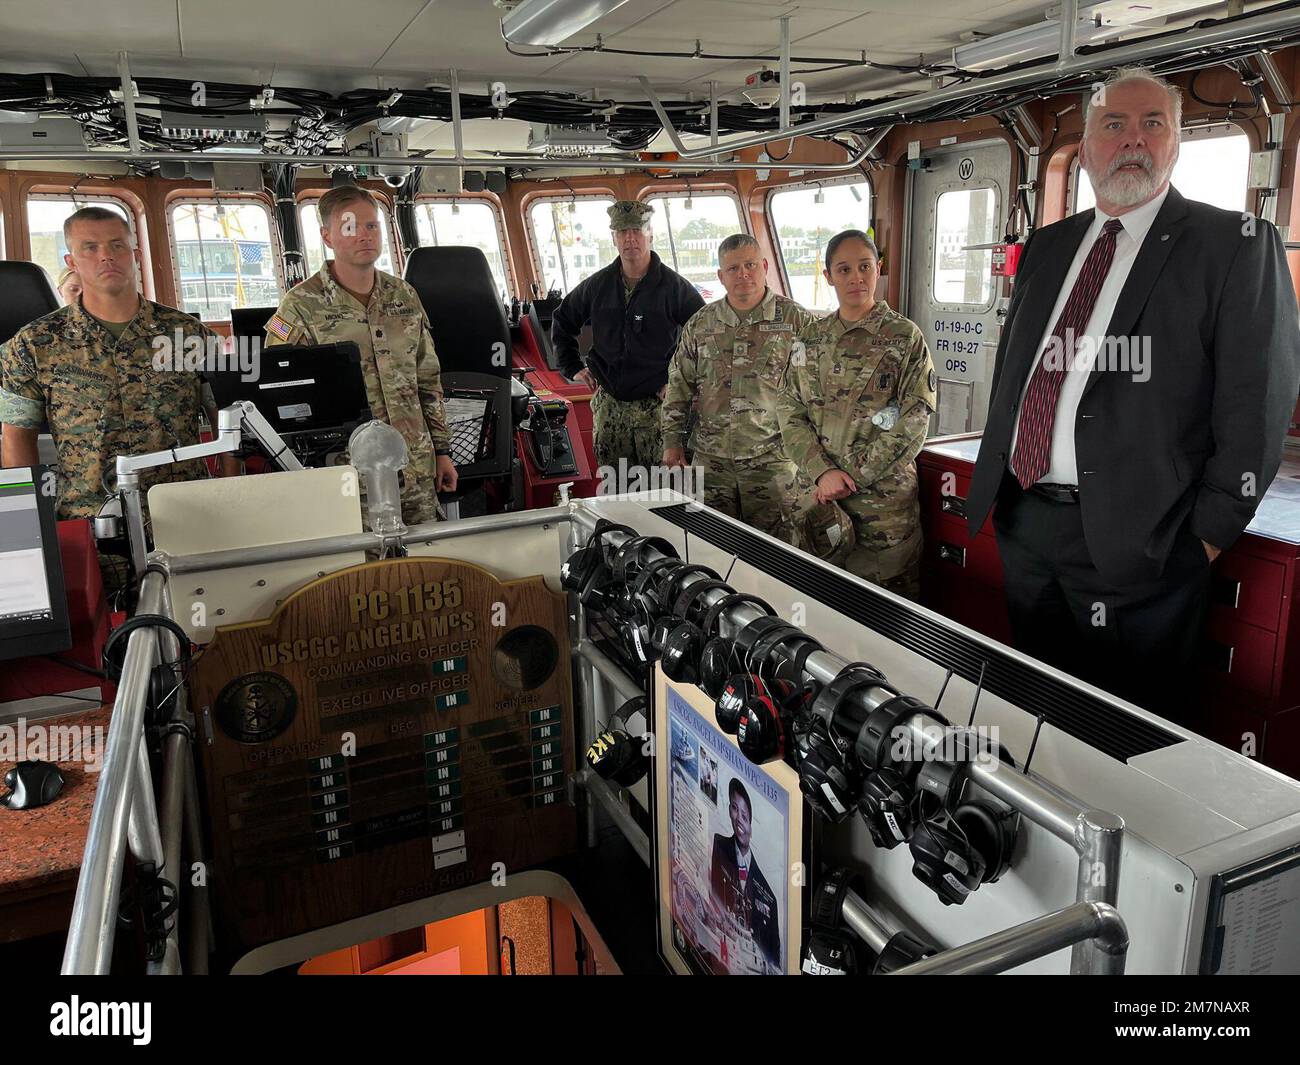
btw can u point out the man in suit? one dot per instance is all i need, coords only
(1144, 382)
(736, 881)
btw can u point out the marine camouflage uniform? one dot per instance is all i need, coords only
(733, 366)
(102, 397)
(400, 367)
(860, 401)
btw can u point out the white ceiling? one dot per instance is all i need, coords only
(339, 44)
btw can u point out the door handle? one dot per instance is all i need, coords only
(953, 554)
(953, 505)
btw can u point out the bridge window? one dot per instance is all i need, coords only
(688, 227)
(1213, 165)
(804, 219)
(571, 238)
(46, 214)
(965, 219)
(226, 256)
(314, 245)
(466, 223)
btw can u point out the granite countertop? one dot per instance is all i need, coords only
(43, 846)
(1278, 515)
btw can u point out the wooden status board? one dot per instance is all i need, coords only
(394, 730)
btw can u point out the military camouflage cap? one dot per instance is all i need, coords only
(629, 214)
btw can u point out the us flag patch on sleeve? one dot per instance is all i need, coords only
(278, 327)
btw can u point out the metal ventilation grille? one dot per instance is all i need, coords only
(1101, 725)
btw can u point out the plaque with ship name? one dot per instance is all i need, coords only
(393, 731)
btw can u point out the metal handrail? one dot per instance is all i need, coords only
(1084, 922)
(89, 948)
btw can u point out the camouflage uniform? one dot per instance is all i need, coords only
(400, 367)
(103, 397)
(625, 429)
(733, 366)
(860, 401)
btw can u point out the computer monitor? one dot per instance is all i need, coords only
(33, 604)
(301, 389)
(250, 322)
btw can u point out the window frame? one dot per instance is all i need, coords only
(526, 208)
(998, 216)
(775, 190)
(273, 225)
(93, 196)
(695, 192)
(512, 282)
(1204, 131)
(312, 196)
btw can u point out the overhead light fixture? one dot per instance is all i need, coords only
(819, 197)
(1038, 41)
(550, 22)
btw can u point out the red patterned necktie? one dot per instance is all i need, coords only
(1032, 456)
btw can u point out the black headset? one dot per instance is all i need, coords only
(617, 755)
(830, 777)
(579, 567)
(166, 678)
(685, 641)
(667, 621)
(831, 949)
(715, 658)
(640, 606)
(891, 761)
(630, 550)
(958, 842)
(841, 717)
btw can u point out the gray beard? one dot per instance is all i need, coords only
(1128, 190)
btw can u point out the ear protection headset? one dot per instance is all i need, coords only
(886, 749)
(685, 642)
(715, 658)
(579, 567)
(639, 608)
(741, 685)
(667, 621)
(829, 777)
(630, 550)
(903, 948)
(617, 755)
(764, 728)
(842, 717)
(166, 678)
(830, 950)
(958, 845)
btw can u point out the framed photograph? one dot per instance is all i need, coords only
(729, 846)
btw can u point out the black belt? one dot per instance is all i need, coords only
(1057, 493)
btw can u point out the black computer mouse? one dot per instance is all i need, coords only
(32, 784)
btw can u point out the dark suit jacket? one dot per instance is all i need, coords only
(1217, 303)
(764, 916)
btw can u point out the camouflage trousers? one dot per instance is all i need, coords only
(887, 547)
(758, 492)
(626, 430)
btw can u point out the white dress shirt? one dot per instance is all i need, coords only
(1137, 223)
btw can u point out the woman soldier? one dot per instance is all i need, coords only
(854, 413)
